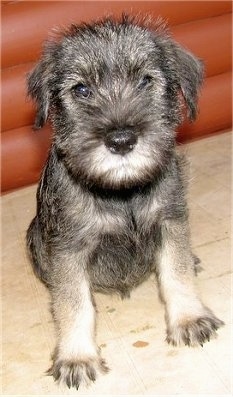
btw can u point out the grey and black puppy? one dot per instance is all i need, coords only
(111, 206)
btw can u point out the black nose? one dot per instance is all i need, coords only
(120, 142)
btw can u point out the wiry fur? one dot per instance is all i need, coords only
(105, 221)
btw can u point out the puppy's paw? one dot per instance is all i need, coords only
(194, 331)
(75, 372)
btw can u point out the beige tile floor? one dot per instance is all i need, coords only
(130, 333)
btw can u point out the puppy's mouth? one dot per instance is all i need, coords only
(120, 142)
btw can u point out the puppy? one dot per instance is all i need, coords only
(111, 205)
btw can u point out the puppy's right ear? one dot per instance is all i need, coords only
(39, 91)
(39, 84)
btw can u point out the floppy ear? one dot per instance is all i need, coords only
(39, 91)
(39, 83)
(190, 74)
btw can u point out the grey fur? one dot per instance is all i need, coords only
(111, 205)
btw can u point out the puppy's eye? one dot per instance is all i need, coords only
(82, 90)
(144, 82)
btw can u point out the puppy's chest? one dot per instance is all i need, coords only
(125, 253)
(134, 218)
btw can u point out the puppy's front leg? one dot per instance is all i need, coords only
(76, 358)
(188, 320)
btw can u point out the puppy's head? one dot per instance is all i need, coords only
(112, 91)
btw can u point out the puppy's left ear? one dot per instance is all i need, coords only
(190, 73)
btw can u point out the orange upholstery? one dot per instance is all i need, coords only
(203, 27)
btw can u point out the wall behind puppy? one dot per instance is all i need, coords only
(203, 27)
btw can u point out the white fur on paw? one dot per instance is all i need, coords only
(76, 372)
(194, 331)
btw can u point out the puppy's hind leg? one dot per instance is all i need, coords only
(76, 358)
(36, 250)
(188, 320)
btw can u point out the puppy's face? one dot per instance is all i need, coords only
(112, 93)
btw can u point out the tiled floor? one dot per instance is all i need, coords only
(130, 333)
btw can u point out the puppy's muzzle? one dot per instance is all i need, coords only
(120, 142)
